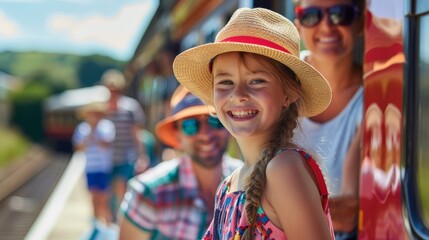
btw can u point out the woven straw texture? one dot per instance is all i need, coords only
(191, 67)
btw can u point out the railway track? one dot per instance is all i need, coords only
(26, 190)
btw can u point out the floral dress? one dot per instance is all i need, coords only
(229, 220)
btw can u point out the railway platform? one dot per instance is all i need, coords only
(67, 213)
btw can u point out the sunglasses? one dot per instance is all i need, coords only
(191, 126)
(341, 14)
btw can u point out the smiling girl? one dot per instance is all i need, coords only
(253, 76)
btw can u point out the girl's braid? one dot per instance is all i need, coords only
(256, 180)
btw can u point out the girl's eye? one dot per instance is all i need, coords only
(224, 82)
(257, 81)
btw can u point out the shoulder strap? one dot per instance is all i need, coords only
(323, 190)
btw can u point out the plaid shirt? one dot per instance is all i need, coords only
(165, 200)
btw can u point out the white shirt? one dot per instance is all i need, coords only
(98, 158)
(330, 140)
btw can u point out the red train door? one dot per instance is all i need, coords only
(380, 214)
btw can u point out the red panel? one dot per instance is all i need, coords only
(380, 184)
(59, 132)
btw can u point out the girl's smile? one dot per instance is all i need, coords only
(242, 114)
(247, 96)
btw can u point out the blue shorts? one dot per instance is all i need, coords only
(124, 171)
(98, 181)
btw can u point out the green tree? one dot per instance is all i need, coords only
(27, 110)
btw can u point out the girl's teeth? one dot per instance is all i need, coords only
(241, 114)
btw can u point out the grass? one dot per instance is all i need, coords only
(13, 145)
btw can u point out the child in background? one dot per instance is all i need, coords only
(253, 76)
(94, 136)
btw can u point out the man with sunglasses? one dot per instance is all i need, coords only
(175, 199)
(330, 30)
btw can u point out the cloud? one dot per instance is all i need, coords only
(83, 2)
(21, 1)
(75, 1)
(114, 32)
(8, 29)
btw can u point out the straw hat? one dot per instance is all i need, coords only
(113, 79)
(259, 31)
(95, 107)
(183, 104)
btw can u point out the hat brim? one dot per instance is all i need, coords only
(191, 68)
(166, 130)
(83, 113)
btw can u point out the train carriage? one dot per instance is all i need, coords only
(60, 113)
(394, 190)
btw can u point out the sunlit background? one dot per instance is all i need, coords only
(105, 27)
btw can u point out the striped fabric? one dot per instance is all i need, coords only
(98, 158)
(165, 200)
(128, 115)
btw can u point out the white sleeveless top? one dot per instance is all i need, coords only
(328, 142)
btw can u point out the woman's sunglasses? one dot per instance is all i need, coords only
(341, 14)
(191, 126)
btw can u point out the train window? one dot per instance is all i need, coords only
(423, 118)
(422, 6)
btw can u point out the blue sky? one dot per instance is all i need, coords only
(108, 27)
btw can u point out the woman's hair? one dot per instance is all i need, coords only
(281, 137)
